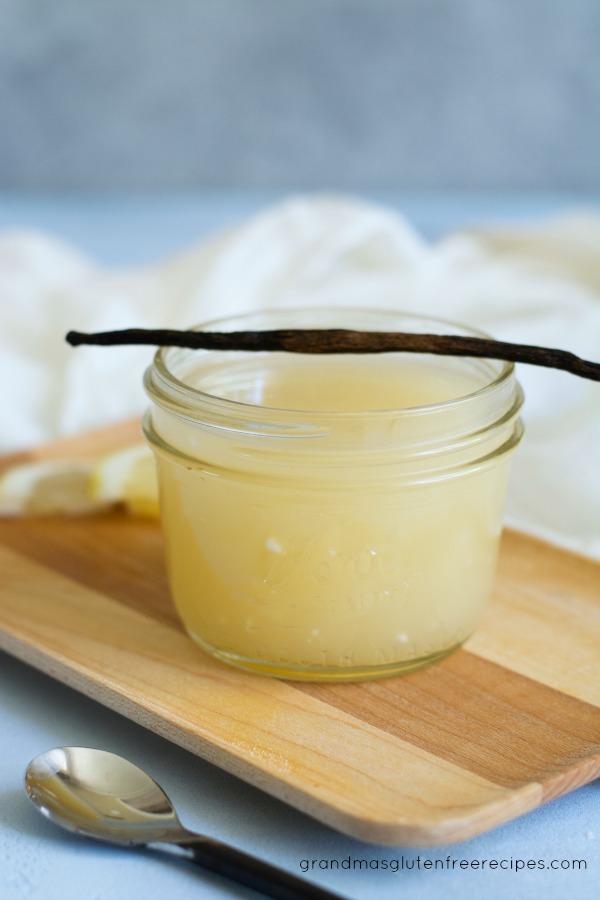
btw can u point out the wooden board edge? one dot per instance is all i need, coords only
(470, 822)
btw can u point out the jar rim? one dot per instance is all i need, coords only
(167, 389)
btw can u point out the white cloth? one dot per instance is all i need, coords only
(538, 285)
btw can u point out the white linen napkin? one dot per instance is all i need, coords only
(538, 285)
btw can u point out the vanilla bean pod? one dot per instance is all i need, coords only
(339, 340)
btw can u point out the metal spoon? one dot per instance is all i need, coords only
(101, 795)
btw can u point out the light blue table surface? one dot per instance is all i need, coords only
(39, 862)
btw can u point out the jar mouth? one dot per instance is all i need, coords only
(165, 386)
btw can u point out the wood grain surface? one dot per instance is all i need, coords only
(503, 725)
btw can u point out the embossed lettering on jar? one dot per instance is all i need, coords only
(331, 517)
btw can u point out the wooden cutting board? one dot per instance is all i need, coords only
(436, 756)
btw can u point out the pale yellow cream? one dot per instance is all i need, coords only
(304, 561)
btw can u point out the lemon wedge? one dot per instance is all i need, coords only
(49, 487)
(126, 476)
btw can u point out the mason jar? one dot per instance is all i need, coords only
(331, 517)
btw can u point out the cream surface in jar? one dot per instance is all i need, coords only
(331, 517)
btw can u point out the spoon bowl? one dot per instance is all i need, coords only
(101, 795)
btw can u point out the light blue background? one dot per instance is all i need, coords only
(359, 94)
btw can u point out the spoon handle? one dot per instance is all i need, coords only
(253, 872)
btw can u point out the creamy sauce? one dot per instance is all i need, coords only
(295, 570)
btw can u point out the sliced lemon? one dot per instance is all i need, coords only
(49, 487)
(127, 476)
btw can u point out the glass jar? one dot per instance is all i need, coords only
(331, 518)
